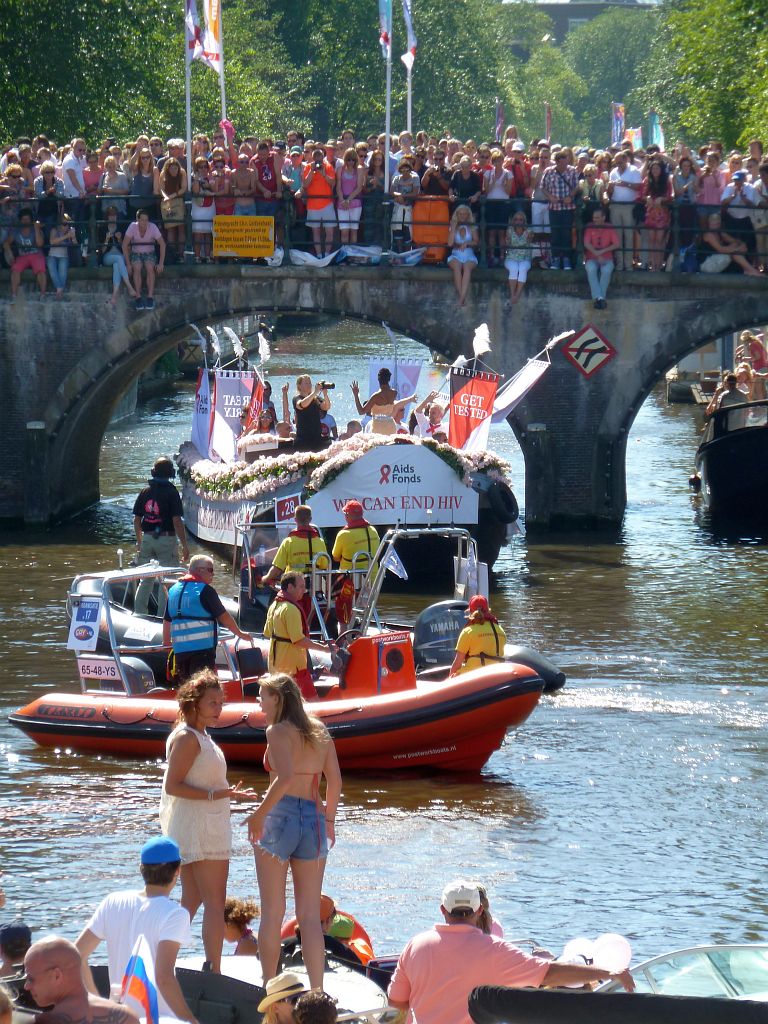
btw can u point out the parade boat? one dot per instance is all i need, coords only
(732, 463)
(381, 710)
(398, 480)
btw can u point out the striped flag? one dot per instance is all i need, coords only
(204, 44)
(385, 28)
(409, 57)
(139, 991)
(617, 123)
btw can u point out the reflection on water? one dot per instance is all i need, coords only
(634, 801)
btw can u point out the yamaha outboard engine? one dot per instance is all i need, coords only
(436, 631)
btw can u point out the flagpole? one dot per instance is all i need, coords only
(221, 69)
(188, 102)
(409, 82)
(388, 113)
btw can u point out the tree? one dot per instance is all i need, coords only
(607, 54)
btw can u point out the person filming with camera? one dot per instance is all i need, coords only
(309, 406)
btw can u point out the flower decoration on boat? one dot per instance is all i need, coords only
(314, 470)
(251, 440)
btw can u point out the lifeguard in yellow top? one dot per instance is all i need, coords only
(296, 552)
(357, 535)
(481, 642)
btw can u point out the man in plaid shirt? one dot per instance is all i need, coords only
(560, 184)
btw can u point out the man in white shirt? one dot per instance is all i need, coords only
(624, 184)
(72, 168)
(123, 916)
(738, 200)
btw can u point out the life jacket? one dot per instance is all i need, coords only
(193, 628)
(307, 533)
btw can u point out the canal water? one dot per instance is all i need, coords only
(633, 801)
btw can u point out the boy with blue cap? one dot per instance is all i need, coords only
(122, 917)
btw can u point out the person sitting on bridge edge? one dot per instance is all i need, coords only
(481, 641)
(190, 621)
(297, 551)
(286, 629)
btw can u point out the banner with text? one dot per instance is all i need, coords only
(244, 236)
(202, 417)
(405, 483)
(472, 396)
(232, 393)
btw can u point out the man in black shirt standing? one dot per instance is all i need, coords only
(158, 524)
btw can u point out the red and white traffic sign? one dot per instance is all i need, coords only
(588, 350)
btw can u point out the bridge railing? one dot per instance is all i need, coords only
(674, 245)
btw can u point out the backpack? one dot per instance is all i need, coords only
(689, 259)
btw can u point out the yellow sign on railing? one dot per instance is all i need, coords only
(243, 236)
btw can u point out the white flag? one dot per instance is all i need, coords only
(264, 350)
(237, 345)
(393, 562)
(409, 57)
(481, 343)
(204, 43)
(515, 390)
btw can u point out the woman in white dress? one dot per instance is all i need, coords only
(462, 237)
(195, 805)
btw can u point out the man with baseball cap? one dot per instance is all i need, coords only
(15, 940)
(356, 535)
(439, 968)
(123, 916)
(482, 640)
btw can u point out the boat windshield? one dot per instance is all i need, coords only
(731, 972)
(744, 416)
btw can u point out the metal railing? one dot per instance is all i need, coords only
(640, 242)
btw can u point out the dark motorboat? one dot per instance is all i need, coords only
(732, 462)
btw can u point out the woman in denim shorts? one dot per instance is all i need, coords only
(292, 826)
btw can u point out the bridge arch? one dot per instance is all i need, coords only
(65, 364)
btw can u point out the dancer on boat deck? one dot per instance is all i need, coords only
(238, 915)
(195, 807)
(292, 827)
(481, 641)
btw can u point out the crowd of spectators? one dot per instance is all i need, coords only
(686, 209)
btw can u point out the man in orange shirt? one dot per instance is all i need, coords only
(318, 184)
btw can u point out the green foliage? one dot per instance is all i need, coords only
(116, 67)
(607, 53)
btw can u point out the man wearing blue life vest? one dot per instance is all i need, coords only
(191, 617)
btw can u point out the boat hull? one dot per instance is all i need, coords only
(734, 474)
(451, 726)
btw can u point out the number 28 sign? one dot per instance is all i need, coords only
(285, 508)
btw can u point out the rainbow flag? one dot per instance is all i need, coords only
(139, 991)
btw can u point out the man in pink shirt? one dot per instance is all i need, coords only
(439, 968)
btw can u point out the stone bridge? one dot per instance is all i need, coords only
(66, 364)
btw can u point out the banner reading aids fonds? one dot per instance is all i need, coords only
(405, 483)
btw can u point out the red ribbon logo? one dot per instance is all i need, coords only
(385, 471)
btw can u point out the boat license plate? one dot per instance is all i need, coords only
(99, 669)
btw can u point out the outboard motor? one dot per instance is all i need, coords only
(436, 631)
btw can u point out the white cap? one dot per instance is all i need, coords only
(519, 146)
(461, 895)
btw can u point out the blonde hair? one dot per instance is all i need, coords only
(455, 217)
(291, 708)
(6, 1002)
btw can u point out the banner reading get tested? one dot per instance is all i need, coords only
(244, 236)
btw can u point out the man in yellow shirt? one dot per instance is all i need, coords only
(481, 642)
(357, 535)
(286, 629)
(296, 552)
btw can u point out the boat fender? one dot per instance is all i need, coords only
(553, 678)
(694, 482)
(503, 502)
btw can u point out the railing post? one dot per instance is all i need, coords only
(93, 235)
(189, 249)
(675, 254)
